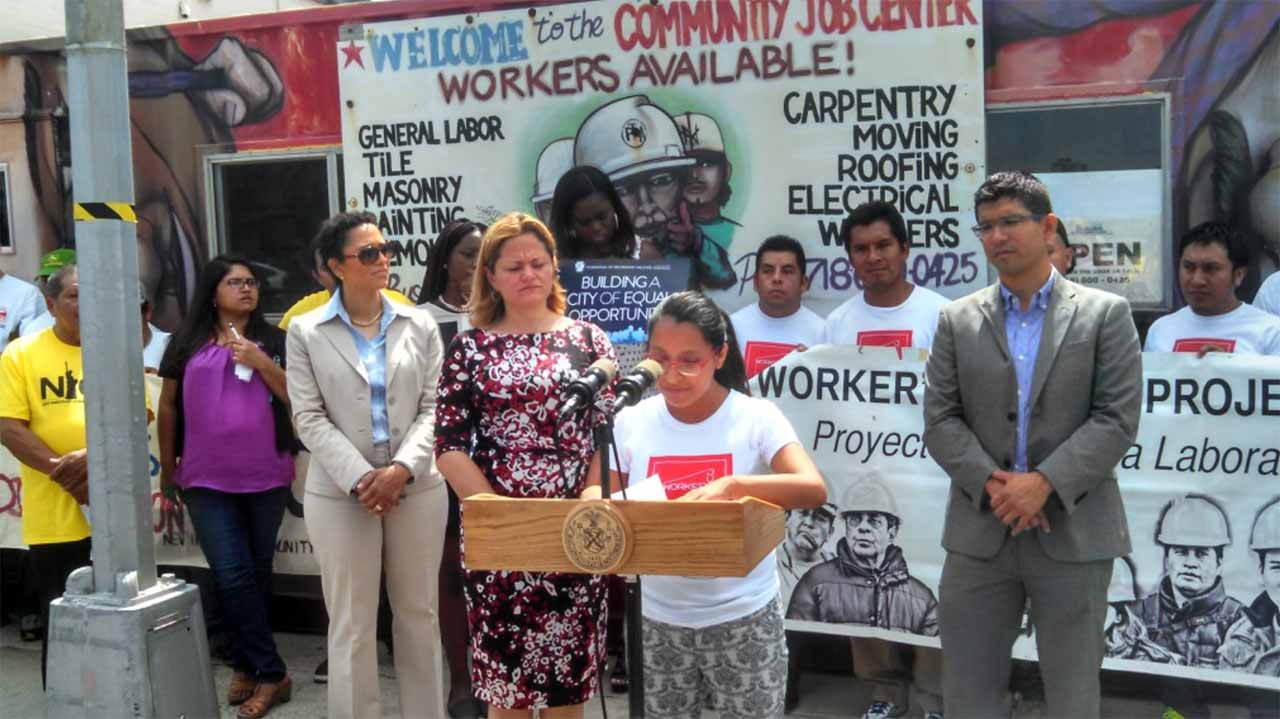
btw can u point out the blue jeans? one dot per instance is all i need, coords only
(238, 535)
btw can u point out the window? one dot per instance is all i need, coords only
(6, 211)
(266, 208)
(1106, 164)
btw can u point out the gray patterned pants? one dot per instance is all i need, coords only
(740, 664)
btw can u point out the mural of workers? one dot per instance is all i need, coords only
(1224, 128)
(180, 106)
(639, 146)
(554, 160)
(1253, 642)
(805, 545)
(1187, 617)
(868, 581)
(707, 190)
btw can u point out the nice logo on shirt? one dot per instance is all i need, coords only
(681, 474)
(62, 388)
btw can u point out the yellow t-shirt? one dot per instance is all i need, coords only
(317, 299)
(42, 383)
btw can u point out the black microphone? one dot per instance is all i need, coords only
(635, 383)
(583, 390)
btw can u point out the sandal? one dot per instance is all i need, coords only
(266, 696)
(242, 686)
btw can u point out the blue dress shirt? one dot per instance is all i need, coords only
(1023, 329)
(373, 356)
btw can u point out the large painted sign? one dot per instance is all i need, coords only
(719, 123)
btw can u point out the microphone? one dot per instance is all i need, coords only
(635, 383)
(584, 389)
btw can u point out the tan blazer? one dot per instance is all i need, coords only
(329, 394)
(1085, 403)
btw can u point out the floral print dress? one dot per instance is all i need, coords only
(536, 638)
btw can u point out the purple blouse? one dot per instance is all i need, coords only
(229, 436)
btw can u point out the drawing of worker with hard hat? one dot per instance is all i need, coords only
(708, 190)
(1187, 617)
(554, 160)
(805, 545)
(868, 581)
(638, 145)
(1121, 628)
(1253, 642)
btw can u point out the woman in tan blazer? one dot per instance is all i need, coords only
(362, 382)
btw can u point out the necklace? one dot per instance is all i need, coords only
(449, 305)
(370, 322)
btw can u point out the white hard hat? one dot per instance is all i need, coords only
(868, 495)
(628, 136)
(1194, 521)
(1266, 528)
(1122, 587)
(555, 160)
(700, 133)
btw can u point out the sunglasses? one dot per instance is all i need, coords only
(368, 254)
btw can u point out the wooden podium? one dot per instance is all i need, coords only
(619, 536)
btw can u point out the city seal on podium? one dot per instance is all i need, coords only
(596, 537)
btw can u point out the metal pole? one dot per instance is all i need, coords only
(110, 316)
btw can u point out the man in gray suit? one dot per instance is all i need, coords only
(1033, 397)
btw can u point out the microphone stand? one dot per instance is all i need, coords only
(602, 436)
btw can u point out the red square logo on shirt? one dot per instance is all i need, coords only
(885, 338)
(762, 354)
(682, 473)
(1195, 344)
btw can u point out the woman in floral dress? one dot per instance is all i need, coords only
(536, 638)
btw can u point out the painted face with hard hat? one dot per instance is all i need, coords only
(1193, 532)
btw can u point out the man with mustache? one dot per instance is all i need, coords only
(805, 545)
(638, 145)
(1213, 264)
(1189, 614)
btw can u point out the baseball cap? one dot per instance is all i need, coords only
(56, 260)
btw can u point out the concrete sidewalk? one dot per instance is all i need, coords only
(823, 696)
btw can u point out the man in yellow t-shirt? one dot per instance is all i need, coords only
(321, 274)
(42, 423)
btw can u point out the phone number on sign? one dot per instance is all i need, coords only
(936, 269)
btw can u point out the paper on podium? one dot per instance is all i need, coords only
(649, 489)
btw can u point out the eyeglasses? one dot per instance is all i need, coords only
(688, 368)
(368, 254)
(1006, 223)
(236, 283)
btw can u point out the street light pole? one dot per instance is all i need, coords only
(110, 319)
(121, 643)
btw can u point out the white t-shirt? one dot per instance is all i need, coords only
(19, 300)
(1268, 297)
(1244, 330)
(764, 340)
(910, 324)
(742, 437)
(154, 351)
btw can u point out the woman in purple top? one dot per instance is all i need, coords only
(227, 445)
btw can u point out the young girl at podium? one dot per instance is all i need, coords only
(706, 438)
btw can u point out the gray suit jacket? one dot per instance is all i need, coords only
(1085, 402)
(329, 394)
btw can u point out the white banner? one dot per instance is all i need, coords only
(1206, 431)
(721, 123)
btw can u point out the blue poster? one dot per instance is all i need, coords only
(618, 295)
